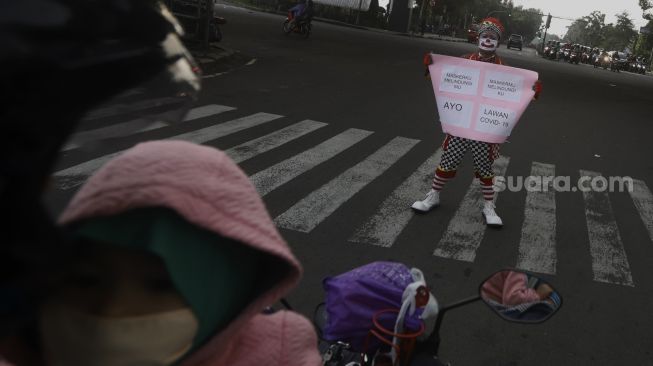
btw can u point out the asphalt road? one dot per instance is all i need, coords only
(595, 248)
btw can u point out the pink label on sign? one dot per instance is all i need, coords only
(479, 100)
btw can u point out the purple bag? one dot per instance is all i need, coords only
(353, 298)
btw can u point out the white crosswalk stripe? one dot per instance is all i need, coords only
(76, 175)
(537, 251)
(609, 261)
(271, 178)
(394, 213)
(312, 210)
(467, 228)
(643, 200)
(138, 126)
(273, 140)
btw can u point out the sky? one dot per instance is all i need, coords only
(578, 8)
(574, 9)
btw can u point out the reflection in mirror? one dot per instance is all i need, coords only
(520, 296)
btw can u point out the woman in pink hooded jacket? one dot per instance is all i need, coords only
(175, 259)
(509, 288)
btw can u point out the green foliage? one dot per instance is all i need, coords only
(644, 43)
(646, 5)
(516, 19)
(591, 30)
(524, 21)
(621, 34)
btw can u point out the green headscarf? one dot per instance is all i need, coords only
(216, 276)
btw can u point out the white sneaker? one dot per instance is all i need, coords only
(491, 217)
(432, 199)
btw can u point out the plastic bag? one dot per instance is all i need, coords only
(352, 299)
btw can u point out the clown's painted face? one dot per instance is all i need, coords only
(488, 41)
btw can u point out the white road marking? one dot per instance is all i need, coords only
(273, 140)
(271, 178)
(76, 175)
(609, 260)
(394, 213)
(137, 126)
(465, 231)
(537, 247)
(643, 200)
(309, 212)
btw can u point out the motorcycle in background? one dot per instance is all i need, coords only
(615, 63)
(573, 57)
(290, 25)
(602, 61)
(641, 66)
(564, 54)
(585, 57)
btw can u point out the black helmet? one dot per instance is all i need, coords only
(59, 60)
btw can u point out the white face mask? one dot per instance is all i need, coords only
(72, 338)
(486, 43)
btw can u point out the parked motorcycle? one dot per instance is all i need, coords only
(353, 332)
(292, 25)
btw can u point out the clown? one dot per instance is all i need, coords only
(454, 147)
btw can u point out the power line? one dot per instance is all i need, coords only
(540, 14)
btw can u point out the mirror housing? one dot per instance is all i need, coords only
(520, 297)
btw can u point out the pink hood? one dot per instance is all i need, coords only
(509, 288)
(208, 189)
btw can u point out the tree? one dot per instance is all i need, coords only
(553, 37)
(588, 30)
(460, 12)
(577, 32)
(619, 35)
(594, 29)
(645, 42)
(646, 5)
(526, 22)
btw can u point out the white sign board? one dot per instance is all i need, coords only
(479, 100)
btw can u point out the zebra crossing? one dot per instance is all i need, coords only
(465, 231)
(537, 244)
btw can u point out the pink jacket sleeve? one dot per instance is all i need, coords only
(284, 338)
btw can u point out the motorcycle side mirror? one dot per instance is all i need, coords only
(521, 297)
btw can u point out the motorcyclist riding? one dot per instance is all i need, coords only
(302, 11)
